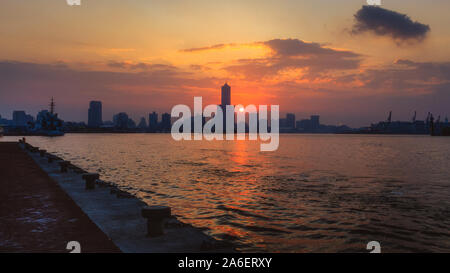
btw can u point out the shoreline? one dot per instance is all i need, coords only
(117, 214)
(281, 133)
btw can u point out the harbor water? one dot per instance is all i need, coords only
(316, 193)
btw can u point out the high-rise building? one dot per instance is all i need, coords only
(153, 121)
(290, 120)
(121, 120)
(95, 114)
(166, 124)
(4, 121)
(287, 124)
(315, 123)
(226, 95)
(19, 118)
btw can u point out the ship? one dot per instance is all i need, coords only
(47, 122)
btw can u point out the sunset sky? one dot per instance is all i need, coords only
(350, 64)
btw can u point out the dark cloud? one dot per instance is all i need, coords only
(385, 22)
(296, 47)
(290, 54)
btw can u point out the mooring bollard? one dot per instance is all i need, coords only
(50, 158)
(155, 216)
(90, 180)
(64, 165)
(42, 152)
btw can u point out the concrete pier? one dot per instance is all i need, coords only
(124, 218)
(36, 215)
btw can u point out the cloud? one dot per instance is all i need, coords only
(383, 22)
(206, 48)
(285, 56)
(408, 77)
(140, 66)
(296, 47)
(139, 92)
(404, 62)
(293, 54)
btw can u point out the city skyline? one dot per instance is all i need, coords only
(289, 124)
(95, 114)
(137, 117)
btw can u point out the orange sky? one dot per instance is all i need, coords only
(139, 56)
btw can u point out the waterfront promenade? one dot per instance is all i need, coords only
(36, 215)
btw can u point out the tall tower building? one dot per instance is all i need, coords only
(226, 100)
(226, 95)
(95, 114)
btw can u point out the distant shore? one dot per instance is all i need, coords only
(288, 133)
